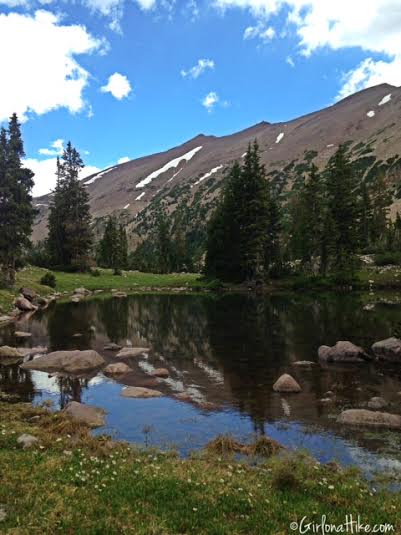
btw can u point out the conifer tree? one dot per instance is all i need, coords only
(70, 235)
(16, 210)
(163, 243)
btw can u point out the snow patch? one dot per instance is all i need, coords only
(140, 196)
(385, 99)
(243, 156)
(99, 175)
(371, 113)
(280, 137)
(169, 165)
(210, 173)
(330, 145)
(126, 206)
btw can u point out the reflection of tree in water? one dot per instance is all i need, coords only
(113, 313)
(71, 389)
(15, 380)
(67, 319)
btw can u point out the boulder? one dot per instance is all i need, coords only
(112, 347)
(304, 363)
(140, 392)
(81, 291)
(364, 417)
(119, 294)
(377, 403)
(22, 334)
(343, 351)
(388, 349)
(128, 352)
(160, 372)
(92, 416)
(286, 384)
(7, 352)
(28, 293)
(67, 361)
(32, 351)
(24, 305)
(26, 440)
(117, 368)
(75, 299)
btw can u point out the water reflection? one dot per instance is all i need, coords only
(223, 352)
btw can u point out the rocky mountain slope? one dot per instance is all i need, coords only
(189, 176)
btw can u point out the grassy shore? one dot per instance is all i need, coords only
(71, 482)
(67, 282)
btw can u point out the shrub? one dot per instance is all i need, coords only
(95, 272)
(48, 279)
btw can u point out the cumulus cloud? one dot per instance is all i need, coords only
(45, 174)
(41, 69)
(260, 31)
(118, 85)
(371, 25)
(56, 148)
(198, 69)
(210, 101)
(114, 9)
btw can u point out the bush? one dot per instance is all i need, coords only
(48, 279)
(388, 259)
(95, 272)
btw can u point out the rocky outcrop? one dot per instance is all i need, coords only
(67, 361)
(286, 384)
(377, 403)
(128, 352)
(140, 392)
(343, 351)
(24, 305)
(388, 349)
(363, 417)
(28, 293)
(92, 416)
(117, 368)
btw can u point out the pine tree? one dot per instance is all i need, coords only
(122, 247)
(16, 210)
(381, 199)
(70, 235)
(163, 243)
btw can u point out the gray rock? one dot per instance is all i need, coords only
(128, 352)
(117, 368)
(286, 384)
(75, 299)
(140, 392)
(119, 294)
(92, 416)
(32, 351)
(160, 372)
(82, 291)
(22, 334)
(28, 293)
(24, 305)
(112, 347)
(388, 349)
(7, 352)
(67, 361)
(304, 363)
(377, 403)
(343, 351)
(364, 417)
(27, 440)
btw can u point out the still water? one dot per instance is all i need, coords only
(225, 353)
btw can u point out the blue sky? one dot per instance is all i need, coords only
(180, 68)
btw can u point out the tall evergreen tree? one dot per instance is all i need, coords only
(70, 235)
(113, 247)
(163, 243)
(16, 210)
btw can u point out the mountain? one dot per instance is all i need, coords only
(189, 176)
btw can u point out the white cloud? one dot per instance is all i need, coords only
(56, 149)
(290, 61)
(210, 100)
(260, 31)
(199, 68)
(13, 3)
(370, 25)
(42, 72)
(118, 85)
(45, 174)
(114, 9)
(124, 159)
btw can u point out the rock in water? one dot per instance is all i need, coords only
(364, 417)
(112, 347)
(92, 416)
(27, 440)
(286, 383)
(66, 361)
(24, 305)
(377, 403)
(343, 351)
(128, 352)
(7, 352)
(140, 392)
(388, 349)
(118, 368)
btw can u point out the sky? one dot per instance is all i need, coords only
(126, 78)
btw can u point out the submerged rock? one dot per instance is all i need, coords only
(67, 361)
(128, 352)
(343, 351)
(286, 383)
(140, 392)
(377, 403)
(117, 368)
(388, 349)
(27, 440)
(364, 417)
(92, 416)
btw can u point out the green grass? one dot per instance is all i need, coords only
(67, 282)
(100, 487)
